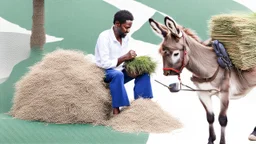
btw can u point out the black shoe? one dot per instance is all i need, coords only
(252, 136)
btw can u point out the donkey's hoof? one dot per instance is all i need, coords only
(211, 139)
(222, 142)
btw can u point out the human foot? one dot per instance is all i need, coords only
(116, 111)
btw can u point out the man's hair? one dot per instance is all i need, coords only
(122, 16)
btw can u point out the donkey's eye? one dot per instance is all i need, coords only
(166, 52)
(176, 54)
(165, 49)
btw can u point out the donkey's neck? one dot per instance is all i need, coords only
(202, 59)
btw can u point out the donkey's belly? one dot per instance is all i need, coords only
(238, 88)
(235, 93)
(206, 86)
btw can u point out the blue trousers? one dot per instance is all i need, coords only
(117, 79)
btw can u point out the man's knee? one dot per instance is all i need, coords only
(112, 74)
(145, 76)
(118, 74)
(143, 79)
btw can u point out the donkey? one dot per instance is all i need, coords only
(181, 48)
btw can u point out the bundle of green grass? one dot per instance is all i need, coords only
(140, 65)
(237, 32)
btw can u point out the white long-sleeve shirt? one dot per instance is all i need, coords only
(108, 50)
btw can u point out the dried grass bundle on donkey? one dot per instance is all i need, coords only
(237, 33)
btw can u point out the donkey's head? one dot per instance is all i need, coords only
(173, 47)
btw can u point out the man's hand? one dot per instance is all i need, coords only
(131, 54)
(128, 56)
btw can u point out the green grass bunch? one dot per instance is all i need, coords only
(140, 65)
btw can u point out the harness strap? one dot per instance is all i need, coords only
(201, 80)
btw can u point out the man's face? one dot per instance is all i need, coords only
(124, 29)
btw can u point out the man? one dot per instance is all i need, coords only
(110, 52)
(252, 136)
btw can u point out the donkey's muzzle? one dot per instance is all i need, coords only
(170, 72)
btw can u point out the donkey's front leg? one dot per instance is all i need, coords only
(224, 102)
(205, 99)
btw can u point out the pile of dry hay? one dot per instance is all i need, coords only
(140, 65)
(144, 115)
(237, 32)
(67, 87)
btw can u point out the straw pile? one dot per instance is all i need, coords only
(144, 115)
(65, 87)
(140, 65)
(237, 32)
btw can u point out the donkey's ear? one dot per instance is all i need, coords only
(172, 26)
(158, 28)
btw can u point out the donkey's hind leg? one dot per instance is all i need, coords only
(206, 101)
(223, 120)
(224, 102)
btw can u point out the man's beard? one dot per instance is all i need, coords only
(120, 33)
